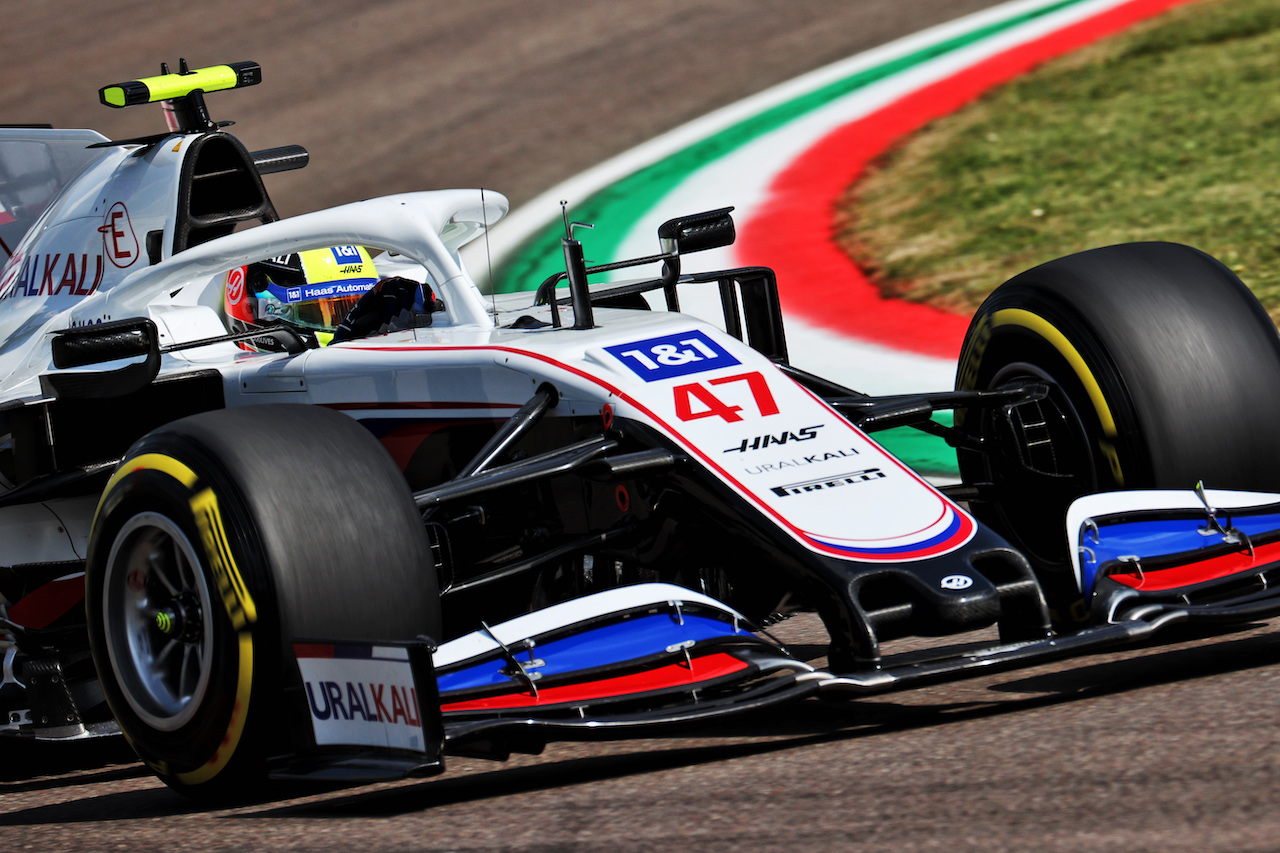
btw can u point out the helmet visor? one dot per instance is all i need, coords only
(334, 279)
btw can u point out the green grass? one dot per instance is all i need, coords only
(1170, 131)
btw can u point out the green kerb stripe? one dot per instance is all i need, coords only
(615, 208)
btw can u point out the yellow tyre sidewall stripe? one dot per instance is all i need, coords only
(150, 461)
(1038, 325)
(235, 728)
(232, 590)
(1042, 327)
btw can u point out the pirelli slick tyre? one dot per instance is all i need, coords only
(1163, 370)
(220, 538)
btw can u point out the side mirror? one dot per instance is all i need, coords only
(85, 345)
(284, 159)
(697, 232)
(104, 342)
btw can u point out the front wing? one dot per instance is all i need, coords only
(645, 658)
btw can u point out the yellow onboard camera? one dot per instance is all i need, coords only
(168, 86)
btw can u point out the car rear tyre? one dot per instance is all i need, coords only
(221, 538)
(1163, 370)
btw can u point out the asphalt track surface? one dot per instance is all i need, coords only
(1173, 746)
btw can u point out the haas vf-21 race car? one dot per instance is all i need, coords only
(291, 499)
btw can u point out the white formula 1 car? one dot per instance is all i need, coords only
(296, 501)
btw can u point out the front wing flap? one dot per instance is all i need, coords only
(637, 657)
(649, 656)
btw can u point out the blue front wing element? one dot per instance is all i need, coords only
(1153, 538)
(609, 645)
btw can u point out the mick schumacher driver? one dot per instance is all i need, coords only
(327, 295)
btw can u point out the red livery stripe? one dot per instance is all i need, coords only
(816, 279)
(313, 650)
(676, 675)
(422, 404)
(1206, 570)
(44, 605)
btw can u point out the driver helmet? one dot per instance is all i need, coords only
(312, 291)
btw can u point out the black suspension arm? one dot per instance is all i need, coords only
(517, 425)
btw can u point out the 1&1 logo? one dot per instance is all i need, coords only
(672, 355)
(346, 255)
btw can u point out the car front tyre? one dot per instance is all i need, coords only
(221, 538)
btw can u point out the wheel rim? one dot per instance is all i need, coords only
(155, 611)
(1024, 521)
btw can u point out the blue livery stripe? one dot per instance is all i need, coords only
(910, 547)
(609, 644)
(1162, 537)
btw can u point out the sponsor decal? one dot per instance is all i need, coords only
(213, 535)
(826, 483)
(957, 582)
(760, 442)
(361, 695)
(235, 286)
(697, 401)
(669, 356)
(367, 701)
(51, 275)
(119, 243)
(328, 289)
(9, 272)
(347, 255)
(801, 461)
(335, 288)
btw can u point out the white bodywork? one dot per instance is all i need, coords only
(785, 451)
